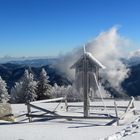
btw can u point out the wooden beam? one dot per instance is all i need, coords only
(124, 114)
(130, 104)
(135, 113)
(70, 117)
(42, 109)
(49, 100)
(123, 107)
(128, 109)
(116, 112)
(29, 110)
(8, 115)
(66, 104)
(112, 122)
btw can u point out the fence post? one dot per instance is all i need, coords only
(130, 104)
(133, 106)
(29, 111)
(116, 112)
(66, 103)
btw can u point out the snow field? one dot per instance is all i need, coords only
(76, 129)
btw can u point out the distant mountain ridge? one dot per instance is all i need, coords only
(132, 59)
(12, 73)
(36, 62)
(31, 61)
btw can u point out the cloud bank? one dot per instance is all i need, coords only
(107, 48)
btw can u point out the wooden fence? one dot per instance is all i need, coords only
(54, 115)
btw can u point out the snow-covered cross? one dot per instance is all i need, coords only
(87, 76)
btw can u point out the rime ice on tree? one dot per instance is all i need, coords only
(4, 97)
(86, 76)
(25, 89)
(17, 93)
(43, 86)
(29, 86)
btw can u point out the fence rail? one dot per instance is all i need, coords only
(53, 114)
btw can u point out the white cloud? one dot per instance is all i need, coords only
(107, 48)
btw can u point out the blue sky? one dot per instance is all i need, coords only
(50, 27)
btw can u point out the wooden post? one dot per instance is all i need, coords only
(133, 106)
(130, 104)
(116, 112)
(29, 111)
(85, 88)
(66, 104)
(128, 108)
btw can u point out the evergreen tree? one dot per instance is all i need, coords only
(4, 97)
(17, 94)
(25, 90)
(29, 87)
(43, 86)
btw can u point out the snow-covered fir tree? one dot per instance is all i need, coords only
(43, 86)
(29, 86)
(4, 96)
(25, 90)
(17, 93)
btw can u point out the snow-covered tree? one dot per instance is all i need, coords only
(17, 93)
(43, 86)
(25, 90)
(58, 91)
(69, 91)
(4, 96)
(29, 86)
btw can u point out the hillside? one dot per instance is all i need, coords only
(11, 73)
(132, 83)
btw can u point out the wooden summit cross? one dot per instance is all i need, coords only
(87, 76)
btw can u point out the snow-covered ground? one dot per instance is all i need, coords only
(76, 129)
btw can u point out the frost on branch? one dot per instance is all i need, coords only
(43, 86)
(4, 97)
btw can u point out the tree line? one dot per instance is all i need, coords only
(28, 89)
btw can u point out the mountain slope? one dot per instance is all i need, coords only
(132, 83)
(12, 73)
